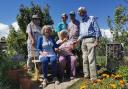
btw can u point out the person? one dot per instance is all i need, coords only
(63, 24)
(73, 27)
(89, 35)
(66, 58)
(33, 31)
(46, 47)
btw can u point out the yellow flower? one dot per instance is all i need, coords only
(113, 86)
(82, 87)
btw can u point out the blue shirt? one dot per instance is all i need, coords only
(61, 26)
(89, 27)
(48, 46)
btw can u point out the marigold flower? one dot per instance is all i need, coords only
(113, 86)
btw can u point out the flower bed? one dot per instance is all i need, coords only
(106, 81)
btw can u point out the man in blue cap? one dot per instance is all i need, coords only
(73, 27)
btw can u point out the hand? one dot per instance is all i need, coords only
(57, 49)
(32, 41)
(44, 53)
(95, 43)
(65, 39)
(76, 42)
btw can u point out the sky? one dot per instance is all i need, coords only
(99, 8)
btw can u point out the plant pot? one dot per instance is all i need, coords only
(13, 74)
(25, 83)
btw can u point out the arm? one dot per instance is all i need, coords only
(54, 43)
(97, 30)
(29, 32)
(40, 48)
(80, 33)
(39, 44)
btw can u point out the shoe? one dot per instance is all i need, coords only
(93, 80)
(44, 83)
(72, 78)
(63, 79)
(86, 77)
(56, 81)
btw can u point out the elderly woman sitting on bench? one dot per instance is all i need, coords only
(66, 58)
(46, 46)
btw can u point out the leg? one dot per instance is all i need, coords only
(53, 61)
(62, 64)
(85, 58)
(92, 61)
(73, 66)
(29, 63)
(44, 65)
(68, 66)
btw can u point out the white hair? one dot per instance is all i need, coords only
(44, 28)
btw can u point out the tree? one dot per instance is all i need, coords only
(17, 39)
(118, 26)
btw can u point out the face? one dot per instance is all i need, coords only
(64, 18)
(72, 17)
(36, 21)
(47, 32)
(63, 36)
(81, 14)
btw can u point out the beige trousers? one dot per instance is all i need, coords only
(89, 58)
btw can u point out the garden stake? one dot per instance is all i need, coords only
(36, 74)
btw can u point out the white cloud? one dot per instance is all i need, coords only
(15, 25)
(107, 33)
(4, 29)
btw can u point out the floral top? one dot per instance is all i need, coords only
(65, 48)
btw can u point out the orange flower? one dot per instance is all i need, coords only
(122, 82)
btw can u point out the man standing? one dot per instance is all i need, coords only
(33, 31)
(89, 35)
(73, 27)
(63, 24)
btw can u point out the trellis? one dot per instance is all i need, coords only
(114, 53)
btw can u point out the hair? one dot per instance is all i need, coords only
(44, 28)
(64, 32)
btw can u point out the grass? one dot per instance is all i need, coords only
(101, 60)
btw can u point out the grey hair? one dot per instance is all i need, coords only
(64, 32)
(44, 28)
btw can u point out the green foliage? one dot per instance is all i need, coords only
(120, 16)
(123, 70)
(16, 42)
(5, 64)
(118, 26)
(101, 60)
(101, 49)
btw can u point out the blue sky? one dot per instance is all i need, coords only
(100, 8)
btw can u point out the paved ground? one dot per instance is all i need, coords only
(63, 85)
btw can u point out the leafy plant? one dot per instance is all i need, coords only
(123, 70)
